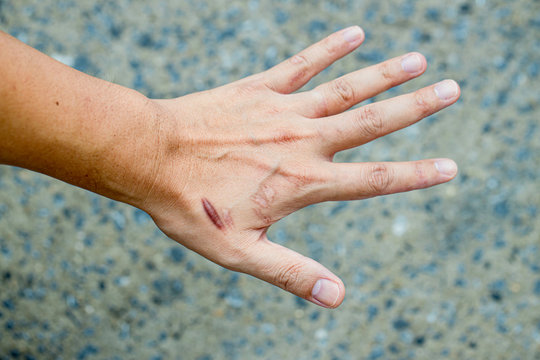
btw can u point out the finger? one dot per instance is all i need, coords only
(340, 94)
(295, 72)
(365, 180)
(300, 275)
(359, 126)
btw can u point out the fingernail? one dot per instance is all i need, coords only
(326, 292)
(353, 34)
(446, 89)
(412, 63)
(446, 167)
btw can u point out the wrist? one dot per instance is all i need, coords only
(128, 156)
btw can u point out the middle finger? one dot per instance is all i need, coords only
(342, 93)
(359, 126)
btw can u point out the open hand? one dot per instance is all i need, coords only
(232, 161)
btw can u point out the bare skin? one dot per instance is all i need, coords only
(216, 168)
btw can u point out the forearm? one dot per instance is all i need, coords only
(74, 127)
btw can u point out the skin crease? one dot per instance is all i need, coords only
(258, 148)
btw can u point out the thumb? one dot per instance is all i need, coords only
(293, 272)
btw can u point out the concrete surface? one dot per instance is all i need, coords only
(451, 272)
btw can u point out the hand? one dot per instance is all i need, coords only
(236, 159)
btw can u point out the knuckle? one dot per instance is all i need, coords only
(301, 64)
(344, 91)
(385, 71)
(422, 179)
(329, 46)
(284, 134)
(322, 106)
(287, 277)
(300, 178)
(422, 104)
(300, 61)
(299, 175)
(246, 90)
(287, 135)
(370, 121)
(308, 134)
(379, 179)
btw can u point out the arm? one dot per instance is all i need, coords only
(74, 127)
(215, 169)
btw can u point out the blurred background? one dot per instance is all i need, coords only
(449, 272)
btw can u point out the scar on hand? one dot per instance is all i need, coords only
(210, 210)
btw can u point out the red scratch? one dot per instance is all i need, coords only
(212, 213)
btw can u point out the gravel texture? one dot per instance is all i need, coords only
(450, 272)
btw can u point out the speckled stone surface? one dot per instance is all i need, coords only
(450, 272)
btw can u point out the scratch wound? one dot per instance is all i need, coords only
(212, 213)
(227, 218)
(264, 196)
